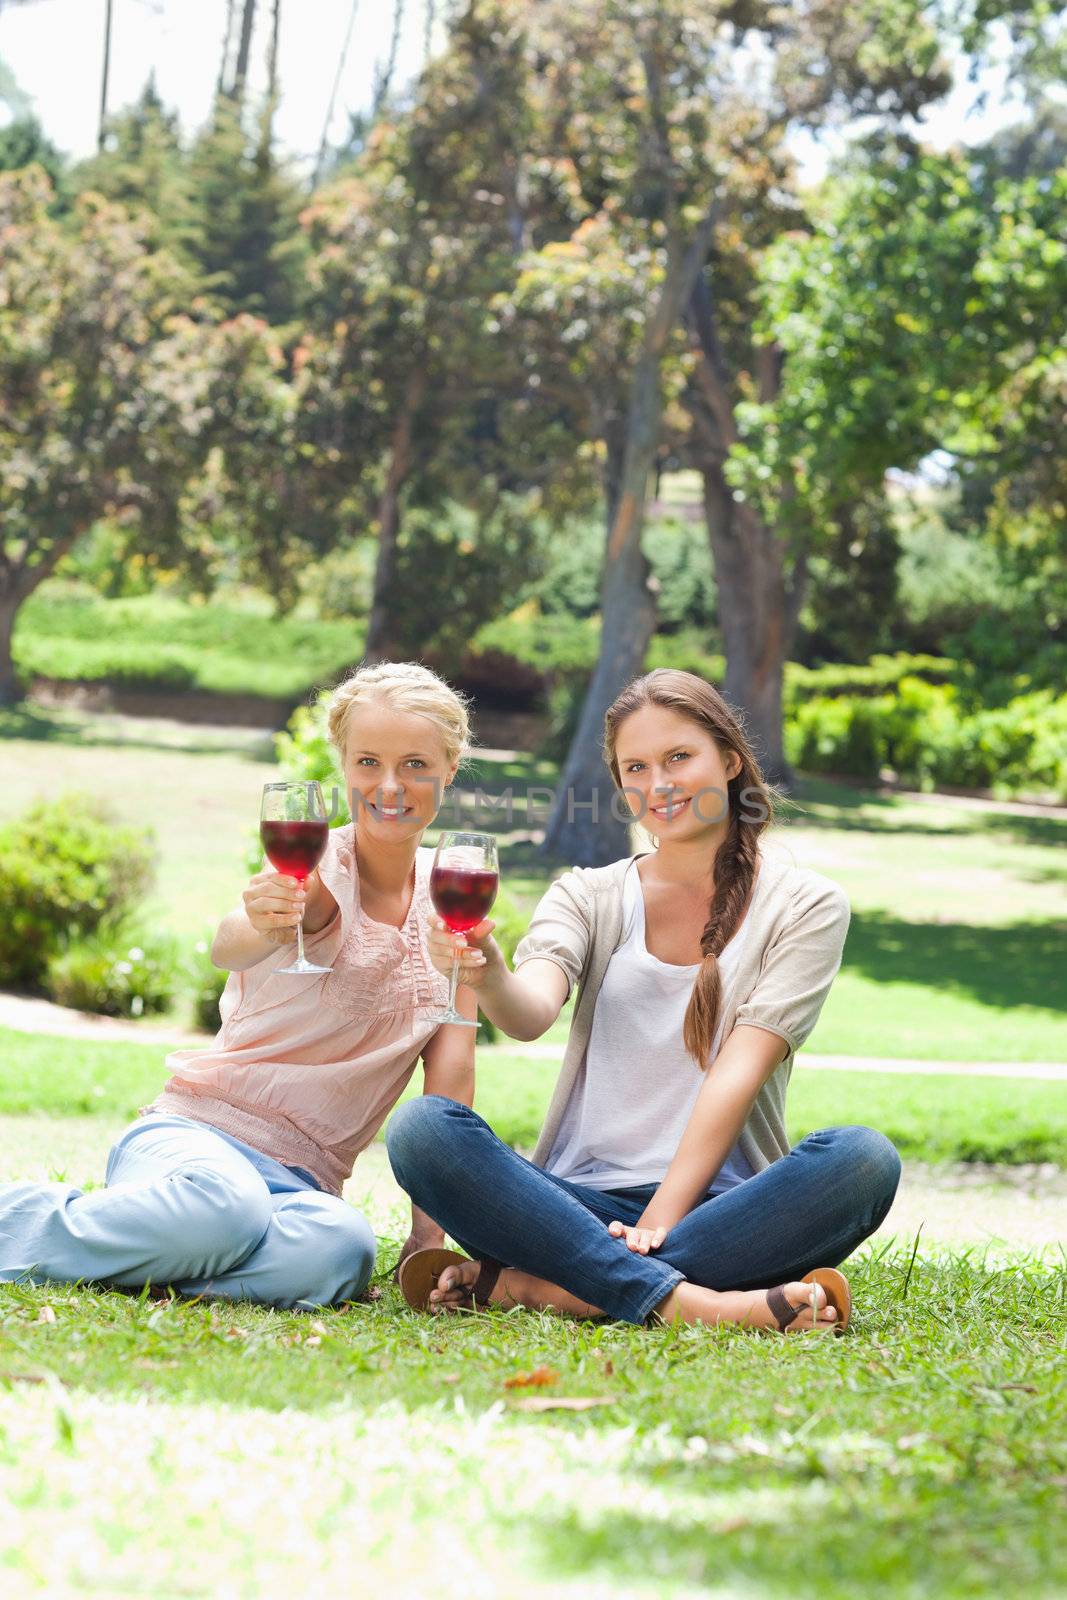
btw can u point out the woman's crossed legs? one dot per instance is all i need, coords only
(813, 1208)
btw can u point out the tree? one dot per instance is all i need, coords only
(923, 314)
(113, 397)
(144, 167)
(401, 371)
(24, 143)
(679, 112)
(246, 242)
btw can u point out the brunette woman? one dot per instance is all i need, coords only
(663, 1185)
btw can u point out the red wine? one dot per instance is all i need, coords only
(294, 848)
(462, 896)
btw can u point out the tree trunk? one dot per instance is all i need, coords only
(583, 827)
(758, 609)
(380, 630)
(105, 75)
(10, 690)
(383, 76)
(324, 142)
(759, 596)
(272, 58)
(266, 130)
(244, 51)
(224, 62)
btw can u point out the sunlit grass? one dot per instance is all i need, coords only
(174, 1448)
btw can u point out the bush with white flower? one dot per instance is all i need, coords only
(117, 973)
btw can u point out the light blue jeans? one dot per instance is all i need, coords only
(188, 1206)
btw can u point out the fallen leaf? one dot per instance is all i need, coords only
(450, 1377)
(373, 1293)
(317, 1326)
(314, 1341)
(544, 1403)
(46, 1314)
(539, 1378)
(237, 1333)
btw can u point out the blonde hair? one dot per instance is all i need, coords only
(405, 686)
(736, 859)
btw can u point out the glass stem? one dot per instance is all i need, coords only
(300, 943)
(455, 981)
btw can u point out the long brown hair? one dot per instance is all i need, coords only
(751, 803)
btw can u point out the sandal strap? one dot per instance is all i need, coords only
(783, 1310)
(486, 1279)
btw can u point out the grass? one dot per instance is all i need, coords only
(928, 1118)
(154, 640)
(188, 1449)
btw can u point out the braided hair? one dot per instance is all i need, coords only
(750, 801)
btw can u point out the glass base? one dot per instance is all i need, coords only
(454, 1018)
(301, 967)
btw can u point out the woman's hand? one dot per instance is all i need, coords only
(478, 951)
(638, 1239)
(274, 904)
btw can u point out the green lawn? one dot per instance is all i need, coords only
(166, 642)
(176, 1449)
(928, 1118)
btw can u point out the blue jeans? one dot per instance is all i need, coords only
(811, 1209)
(189, 1206)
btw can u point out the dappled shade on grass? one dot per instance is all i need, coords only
(1018, 964)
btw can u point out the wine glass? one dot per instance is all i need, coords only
(463, 883)
(294, 832)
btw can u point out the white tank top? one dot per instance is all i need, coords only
(634, 1096)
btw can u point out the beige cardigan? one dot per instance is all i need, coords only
(788, 962)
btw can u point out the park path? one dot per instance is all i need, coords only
(43, 1016)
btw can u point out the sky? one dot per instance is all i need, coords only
(55, 50)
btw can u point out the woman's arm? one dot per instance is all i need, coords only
(726, 1097)
(523, 1004)
(781, 1012)
(271, 907)
(448, 1069)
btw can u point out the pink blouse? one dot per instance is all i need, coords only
(306, 1069)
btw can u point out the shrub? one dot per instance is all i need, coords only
(66, 867)
(305, 753)
(873, 677)
(118, 971)
(139, 665)
(204, 982)
(837, 735)
(926, 736)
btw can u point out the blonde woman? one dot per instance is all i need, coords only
(663, 1186)
(229, 1185)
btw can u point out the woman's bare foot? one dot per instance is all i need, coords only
(688, 1302)
(455, 1292)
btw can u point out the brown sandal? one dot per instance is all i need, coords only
(838, 1295)
(418, 1275)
